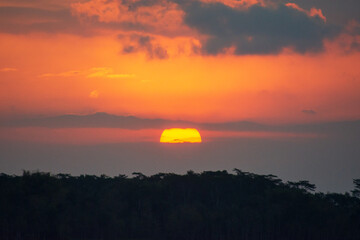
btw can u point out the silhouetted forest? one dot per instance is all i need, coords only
(211, 205)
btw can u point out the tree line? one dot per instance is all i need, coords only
(212, 205)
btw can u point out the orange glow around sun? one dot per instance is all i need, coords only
(180, 135)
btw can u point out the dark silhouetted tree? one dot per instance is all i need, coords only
(211, 205)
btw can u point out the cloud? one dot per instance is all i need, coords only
(22, 20)
(7, 69)
(74, 19)
(156, 16)
(120, 75)
(145, 43)
(105, 11)
(309, 111)
(258, 29)
(240, 27)
(97, 120)
(94, 94)
(99, 72)
(62, 74)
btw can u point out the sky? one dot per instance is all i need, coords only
(88, 86)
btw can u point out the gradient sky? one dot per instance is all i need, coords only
(254, 76)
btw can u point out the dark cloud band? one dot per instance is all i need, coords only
(257, 30)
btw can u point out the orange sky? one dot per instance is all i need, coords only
(54, 73)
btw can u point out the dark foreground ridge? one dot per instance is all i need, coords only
(210, 205)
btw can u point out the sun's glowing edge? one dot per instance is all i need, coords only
(180, 135)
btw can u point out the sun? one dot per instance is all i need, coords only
(180, 135)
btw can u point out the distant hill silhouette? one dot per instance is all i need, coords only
(105, 120)
(210, 205)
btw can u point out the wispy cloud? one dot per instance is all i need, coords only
(94, 94)
(99, 72)
(63, 74)
(120, 75)
(7, 69)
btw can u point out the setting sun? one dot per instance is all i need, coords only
(180, 135)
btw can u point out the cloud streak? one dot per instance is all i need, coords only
(7, 69)
(99, 72)
(309, 111)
